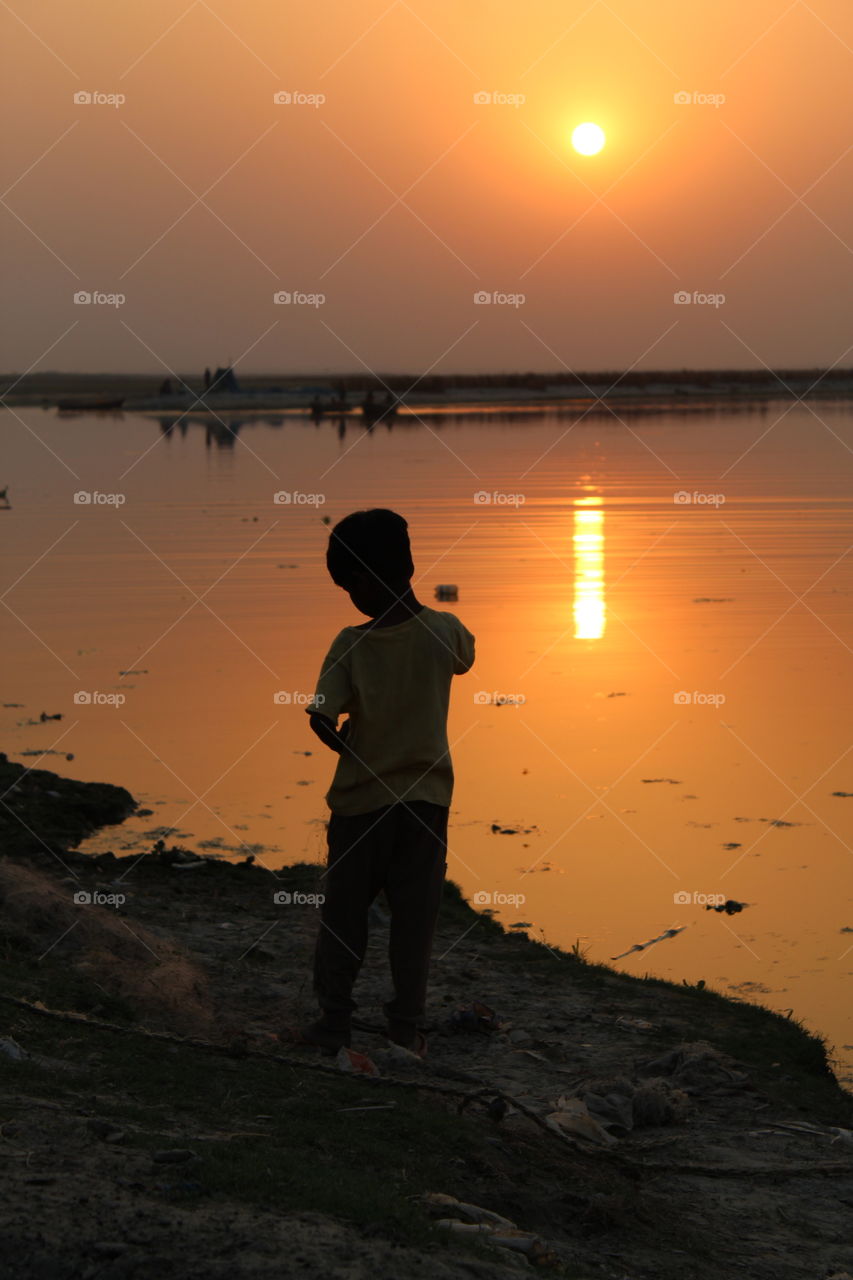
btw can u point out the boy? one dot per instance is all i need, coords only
(390, 795)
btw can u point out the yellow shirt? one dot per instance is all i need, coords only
(394, 683)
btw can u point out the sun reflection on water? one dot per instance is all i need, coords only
(588, 540)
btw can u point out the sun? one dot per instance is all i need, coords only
(588, 139)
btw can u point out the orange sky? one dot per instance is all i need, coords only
(399, 196)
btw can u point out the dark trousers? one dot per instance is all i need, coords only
(402, 849)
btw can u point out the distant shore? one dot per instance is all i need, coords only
(341, 394)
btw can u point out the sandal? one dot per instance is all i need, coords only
(407, 1037)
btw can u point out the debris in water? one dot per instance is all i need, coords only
(675, 782)
(447, 591)
(773, 822)
(641, 946)
(730, 907)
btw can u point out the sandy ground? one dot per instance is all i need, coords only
(727, 1181)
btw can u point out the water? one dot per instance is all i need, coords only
(596, 601)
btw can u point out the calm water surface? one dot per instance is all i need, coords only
(661, 704)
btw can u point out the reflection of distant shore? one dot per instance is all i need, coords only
(485, 413)
(699, 392)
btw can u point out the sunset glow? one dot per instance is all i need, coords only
(332, 335)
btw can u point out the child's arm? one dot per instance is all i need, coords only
(333, 697)
(464, 650)
(335, 739)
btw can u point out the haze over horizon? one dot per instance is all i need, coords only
(383, 196)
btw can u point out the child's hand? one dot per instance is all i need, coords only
(335, 739)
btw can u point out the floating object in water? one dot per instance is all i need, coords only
(730, 907)
(447, 591)
(641, 946)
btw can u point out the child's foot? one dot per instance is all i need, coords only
(407, 1035)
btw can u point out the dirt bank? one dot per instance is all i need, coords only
(629, 1127)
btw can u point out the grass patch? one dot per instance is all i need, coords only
(296, 1147)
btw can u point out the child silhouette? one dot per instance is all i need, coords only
(391, 791)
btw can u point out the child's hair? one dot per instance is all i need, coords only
(374, 542)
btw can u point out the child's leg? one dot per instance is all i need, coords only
(352, 880)
(413, 885)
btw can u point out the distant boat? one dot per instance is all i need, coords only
(88, 406)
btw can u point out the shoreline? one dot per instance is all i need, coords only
(686, 1121)
(653, 392)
